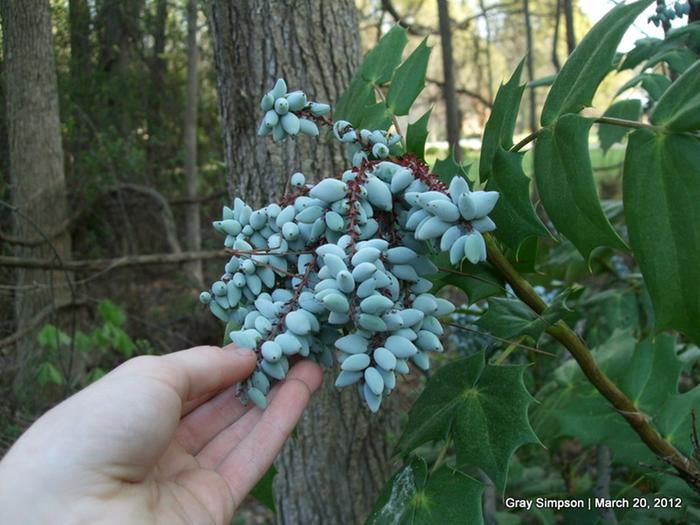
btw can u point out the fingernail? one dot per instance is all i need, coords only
(244, 352)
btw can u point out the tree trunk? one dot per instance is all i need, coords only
(334, 469)
(80, 73)
(530, 64)
(35, 163)
(555, 38)
(193, 237)
(157, 71)
(448, 86)
(569, 19)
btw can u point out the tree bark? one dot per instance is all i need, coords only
(530, 65)
(193, 236)
(35, 162)
(569, 19)
(448, 86)
(334, 469)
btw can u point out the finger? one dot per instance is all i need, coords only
(247, 463)
(197, 371)
(202, 424)
(189, 406)
(221, 445)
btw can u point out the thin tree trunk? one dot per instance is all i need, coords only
(530, 64)
(193, 238)
(80, 72)
(157, 68)
(487, 52)
(569, 19)
(448, 86)
(35, 163)
(333, 470)
(555, 39)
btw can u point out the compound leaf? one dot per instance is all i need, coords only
(481, 406)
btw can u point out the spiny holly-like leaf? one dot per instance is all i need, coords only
(679, 108)
(514, 212)
(654, 84)
(379, 64)
(481, 406)
(352, 104)
(508, 318)
(408, 80)
(417, 134)
(564, 178)
(625, 109)
(592, 59)
(642, 50)
(478, 281)
(498, 132)
(448, 167)
(376, 69)
(661, 196)
(412, 497)
(375, 116)
(678, 60)
(647, 371)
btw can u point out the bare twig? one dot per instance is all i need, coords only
(103, 264)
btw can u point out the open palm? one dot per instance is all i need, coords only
(158, 440)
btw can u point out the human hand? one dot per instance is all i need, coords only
(157, 440)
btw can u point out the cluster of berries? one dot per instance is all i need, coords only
(337, 270)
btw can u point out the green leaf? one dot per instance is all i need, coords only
(48, 337)
(661, 194)
(352, 104)
(625, 109)
(379, 64)
(543, 81)
(477, 281)
(565, 182)
(654, 84)
(375, 116)
(679, 108)
(111, 313)
(417, 134)
(263, 489)
(642, 50)
(679, 60)
(448, 168)
(412, 497)
(592, 59)
(48, 374)
(498, 132)
(648, 372)
(408, 80)
(514, 213)
(481, 406)
(508, 318)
